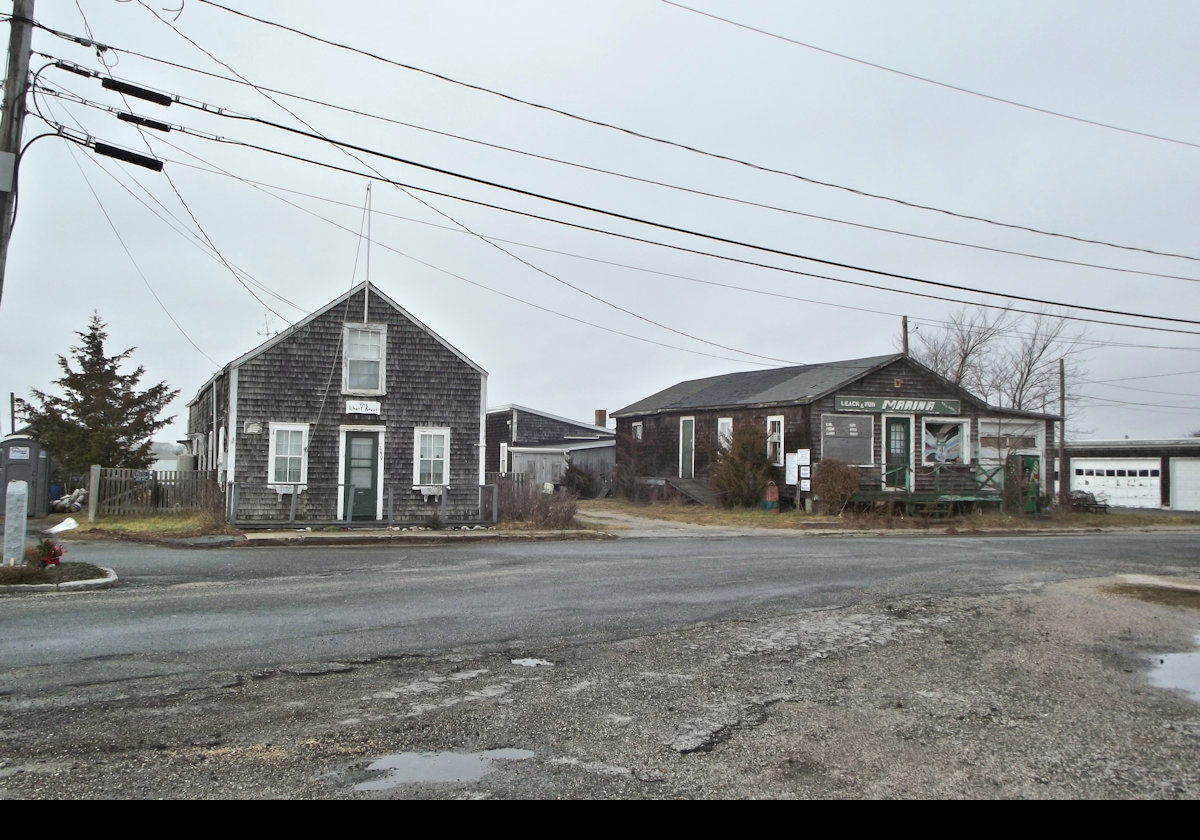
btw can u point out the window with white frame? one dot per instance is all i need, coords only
(431, 456)
(287, 457)
(724, 433)
(364, 357)
(775, 448)
(946, 441)
(636, 428)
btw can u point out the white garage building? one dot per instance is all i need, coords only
(1162, 474)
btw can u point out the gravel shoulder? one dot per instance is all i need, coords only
(1020, 693)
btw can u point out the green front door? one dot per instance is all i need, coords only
(362, 474)
(897, 452)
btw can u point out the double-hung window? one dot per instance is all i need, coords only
(287, 458)
(724, 433)
(365, 353)
(775, 448)
(431, 456)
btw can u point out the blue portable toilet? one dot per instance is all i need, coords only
(23, 459)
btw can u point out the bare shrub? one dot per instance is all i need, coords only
(554, 510)
(743, 469)
(522, 500)
(834, 482)
(632, 462)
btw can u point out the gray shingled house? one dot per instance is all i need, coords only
(543, 445)
(918, 437)
(357, 412)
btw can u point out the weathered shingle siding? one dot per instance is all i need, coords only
(498, 432)
(299, 380)
(536, 429)
(202, 420)
(517, 427)
(914, 383)
(660, 435)
(658, 454)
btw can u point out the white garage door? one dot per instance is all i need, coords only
(1122, 482)
(1185, 483)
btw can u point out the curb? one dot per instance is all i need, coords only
(109, 579)
(274, 538)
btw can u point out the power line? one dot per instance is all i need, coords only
(464, 279)
(930, 81)
(138, 268)
(667, 227)
(1150, 391)
(1101, 402)
(212, 250)
(698, 252)
(536, 306)
(772, 294)
(674, 144)
(344, 147)
(648, 181)
(439, 170)
(1146, 376)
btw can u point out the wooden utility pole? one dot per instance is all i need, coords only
(20, 39)
(1064, 477)
(904, 333)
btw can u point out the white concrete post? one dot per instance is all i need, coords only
(16, 508)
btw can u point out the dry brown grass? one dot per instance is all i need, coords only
(791, 519)
(167, 526)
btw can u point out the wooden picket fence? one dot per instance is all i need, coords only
(125, 492)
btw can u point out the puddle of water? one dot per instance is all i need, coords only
(438, 767)
(1180, 671)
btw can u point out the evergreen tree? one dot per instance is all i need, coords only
(102, 417)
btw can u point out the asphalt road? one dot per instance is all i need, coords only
(180, 610)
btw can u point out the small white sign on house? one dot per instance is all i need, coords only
(797, 465)
(363, 407)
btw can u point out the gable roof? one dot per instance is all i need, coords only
(599, 430)
(796, 385)
(373, 291)
(799, 384)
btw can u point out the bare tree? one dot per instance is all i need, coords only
(964, 351)
(1007, 358)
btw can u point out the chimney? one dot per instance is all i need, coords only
(601, 417)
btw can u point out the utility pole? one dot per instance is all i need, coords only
(20, 40)
(1063, 473)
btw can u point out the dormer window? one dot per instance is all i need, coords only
(364, 357)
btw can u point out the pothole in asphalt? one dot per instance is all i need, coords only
(437, 767)
(1163, 593)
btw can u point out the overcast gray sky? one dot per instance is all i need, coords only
(249, 227)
